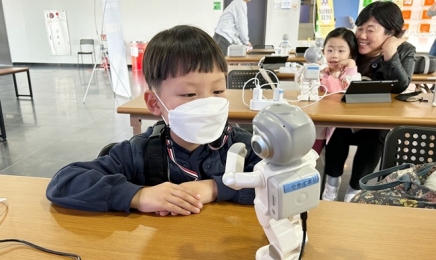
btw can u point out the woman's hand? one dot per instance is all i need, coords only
(390, 46)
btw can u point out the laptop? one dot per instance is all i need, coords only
(274, 62)
(299, 51)
(373, 91)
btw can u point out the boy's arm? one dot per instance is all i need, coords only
(103, 184)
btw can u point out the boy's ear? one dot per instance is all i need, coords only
(152, 102)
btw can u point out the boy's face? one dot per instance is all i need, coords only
(194, 85)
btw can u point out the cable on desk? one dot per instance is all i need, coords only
(41, 248)
(303, 217)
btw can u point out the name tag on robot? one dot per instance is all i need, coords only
(290, 194)
(311, 72)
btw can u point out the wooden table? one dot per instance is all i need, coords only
(264, 51)
(330, 111)
(336, 230)
(423, 80)
(13, 71)
(256, 58)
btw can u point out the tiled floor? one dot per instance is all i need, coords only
(56, 128)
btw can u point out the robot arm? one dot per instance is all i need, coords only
(234, 176)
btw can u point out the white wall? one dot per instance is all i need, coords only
(141, 20)
(281, 22)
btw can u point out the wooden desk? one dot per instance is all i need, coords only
(256, 58)
(423, 80)
(13, 71)
(336, 230)
(330, 111)
(264, 51)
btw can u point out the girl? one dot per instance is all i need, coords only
(340, 51)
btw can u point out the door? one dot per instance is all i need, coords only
(256, 10)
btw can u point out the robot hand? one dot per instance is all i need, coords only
(234, 175)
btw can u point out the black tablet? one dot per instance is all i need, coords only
(274, 62)
(373, 89)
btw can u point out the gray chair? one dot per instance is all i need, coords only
(409, 144)
(86, 48)
(237, 78)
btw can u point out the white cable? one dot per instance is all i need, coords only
(2, 200)
(323, 96)
(261, 61)
(243, 89)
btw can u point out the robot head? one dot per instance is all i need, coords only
(313, 54)
(282, 134)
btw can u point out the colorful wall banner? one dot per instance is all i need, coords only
(325, 21)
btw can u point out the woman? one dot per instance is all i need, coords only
(383, 55)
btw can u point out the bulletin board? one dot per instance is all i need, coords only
(421, 29)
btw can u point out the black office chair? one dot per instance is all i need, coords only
(409, 144)
(237, 78)
(86, 48)
(263, 47)
(2, 124)
(105, 150)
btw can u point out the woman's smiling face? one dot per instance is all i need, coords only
(370, 37)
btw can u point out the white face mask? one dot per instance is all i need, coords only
(200, 121)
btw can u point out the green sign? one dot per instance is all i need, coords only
(216, 5)
(366, 2)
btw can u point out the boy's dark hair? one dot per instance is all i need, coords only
(387, 14)
(178, 51)
(348, 36)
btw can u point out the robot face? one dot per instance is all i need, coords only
(260, 143)
(282, 134)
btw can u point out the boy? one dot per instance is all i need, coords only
(186, 74)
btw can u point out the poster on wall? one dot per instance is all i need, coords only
(325, 18)
(57, 32)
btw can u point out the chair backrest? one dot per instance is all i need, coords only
(237, 78)
(263, 47)
(409, 144)
(87, 42)
(105, 150)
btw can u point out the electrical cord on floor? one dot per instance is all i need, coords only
(303, 217)
(41, 248)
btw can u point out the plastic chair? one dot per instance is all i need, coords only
(86, 48)
(263, 47)
(237, 78)
(105, 150)
(409, 144)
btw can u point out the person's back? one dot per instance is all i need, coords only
(191, 100)
(232, 26)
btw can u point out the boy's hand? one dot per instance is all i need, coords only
(167, 197)
(206, 188)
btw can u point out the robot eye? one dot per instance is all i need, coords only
(260, 147)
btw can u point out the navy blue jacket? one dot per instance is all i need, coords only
(109, 183)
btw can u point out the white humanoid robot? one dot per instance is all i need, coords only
(286, 182)
(308, 76)
(285, 46)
